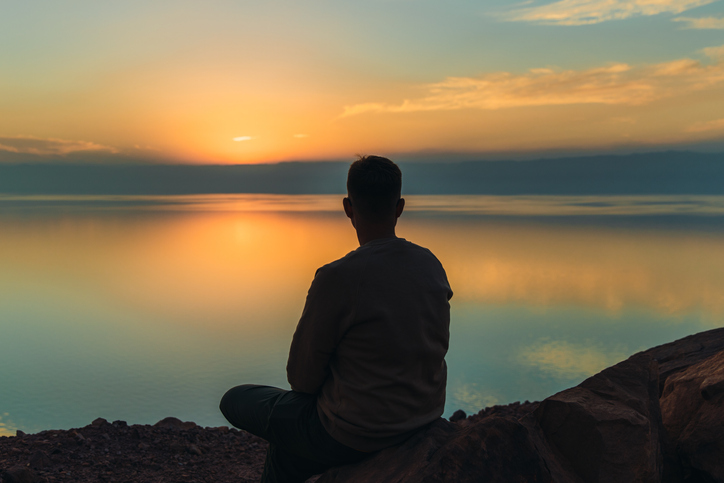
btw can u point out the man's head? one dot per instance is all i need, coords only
(374, 184)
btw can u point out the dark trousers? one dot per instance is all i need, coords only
(299, 446)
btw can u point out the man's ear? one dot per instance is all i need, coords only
(400, 206)
(347, 204)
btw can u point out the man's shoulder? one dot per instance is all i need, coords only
(382, 262)
(418, 252)
(395, 248)
(338, 269)
(348, 263)
(418, 249)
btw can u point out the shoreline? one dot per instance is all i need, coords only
(170, 450)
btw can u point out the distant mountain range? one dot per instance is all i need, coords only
(671, 172)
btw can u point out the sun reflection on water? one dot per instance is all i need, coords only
(563, 359)
(7, 428)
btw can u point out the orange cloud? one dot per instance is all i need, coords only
(586, 12)
(714, 52)
(702, 23)
(715, 125)
(48, 146)
(619, 84)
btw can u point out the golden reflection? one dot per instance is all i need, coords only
(565, 360)
(249, 260)
(211, 269)
(555, 205)
(6, 428)
(472, 397)
(670, 272)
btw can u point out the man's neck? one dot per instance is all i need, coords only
(366, 236)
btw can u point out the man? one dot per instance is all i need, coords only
(367, 361)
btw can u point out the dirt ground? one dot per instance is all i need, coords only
(169, 451)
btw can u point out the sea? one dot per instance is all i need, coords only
(136, 308)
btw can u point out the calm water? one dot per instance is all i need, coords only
(138, 308)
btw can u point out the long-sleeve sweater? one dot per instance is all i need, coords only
(371, 343)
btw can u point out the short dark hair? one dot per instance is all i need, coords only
(374, 184)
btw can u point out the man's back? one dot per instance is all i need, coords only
(371, 342)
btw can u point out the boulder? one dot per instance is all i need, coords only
(692, 407)
(98, 422)
(681, 354)
(608, 428)
(174, 423)
(495, 450)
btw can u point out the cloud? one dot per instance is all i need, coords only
(715, 125)
(586, 12)
(243, 138)
(565, 360)
(48, 146)
(145, 148)
(702, 23)
(716, 53)
(612, 84)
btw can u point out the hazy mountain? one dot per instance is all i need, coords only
(652, 173)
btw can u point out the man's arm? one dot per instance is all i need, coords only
(318, 332)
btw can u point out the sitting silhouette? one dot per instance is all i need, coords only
(367, 362)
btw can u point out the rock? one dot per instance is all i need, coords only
(458, 416)
(692, 407)
(98, 422)
(513, 410)
(39, 460)
(19, 434)
(679, 355)
(491, 450)
(174, 423)
(193, 449)
(20, 474)
(608, 428)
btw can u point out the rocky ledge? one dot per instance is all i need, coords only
(656, 417)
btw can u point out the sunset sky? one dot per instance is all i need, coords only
(247, 82)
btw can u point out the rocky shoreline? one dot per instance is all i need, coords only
(656, 417)
(168, 451)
